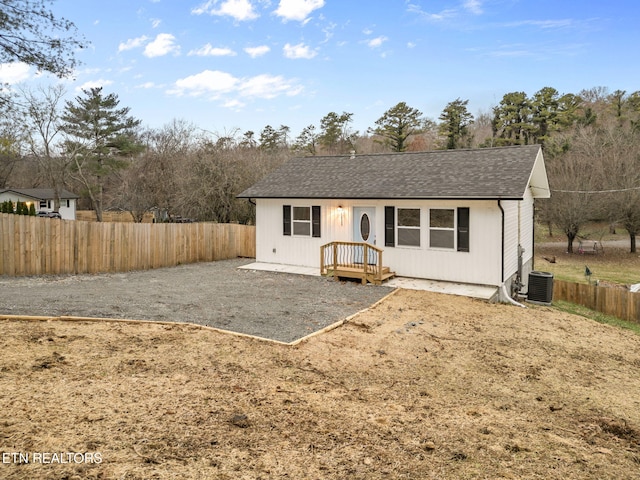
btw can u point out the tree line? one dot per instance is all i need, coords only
(93, 146)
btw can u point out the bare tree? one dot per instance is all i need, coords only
(40, 120)
(621, 149)
(573, 174)
(10, 154)
(30, 33)
(157, 175)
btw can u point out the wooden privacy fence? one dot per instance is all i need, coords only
(37, 246)
(612, 301)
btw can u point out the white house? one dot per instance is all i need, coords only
(43, 199)
(451, 215)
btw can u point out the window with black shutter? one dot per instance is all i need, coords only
(315, 221)
(463, 229)
(286, 220)
(389, 226)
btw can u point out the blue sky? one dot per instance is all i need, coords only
(243, 64)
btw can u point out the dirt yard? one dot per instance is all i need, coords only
(421, 386)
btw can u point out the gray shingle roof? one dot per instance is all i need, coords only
(491, 173)
(40, 193)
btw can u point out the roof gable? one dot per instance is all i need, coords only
(487, 173)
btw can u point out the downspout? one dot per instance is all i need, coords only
(533, 237)
(502, 246)
(508, 298)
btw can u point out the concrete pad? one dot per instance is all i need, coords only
(483, 292)
(277, 267)
(467, 290)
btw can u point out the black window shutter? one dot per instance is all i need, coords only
(389, 226)
(463, 229)
(315, 221)
(286, 219)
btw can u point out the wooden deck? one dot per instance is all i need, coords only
(346, 260)
(343, 271)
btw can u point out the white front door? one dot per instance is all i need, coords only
(364, 230)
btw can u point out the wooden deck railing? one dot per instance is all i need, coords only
(354, 260)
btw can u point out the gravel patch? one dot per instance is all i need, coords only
(278, 306)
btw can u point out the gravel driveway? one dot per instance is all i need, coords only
(279, 306)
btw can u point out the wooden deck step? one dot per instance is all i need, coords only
(358, 272)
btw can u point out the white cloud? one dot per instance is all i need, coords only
(234, 104)
(254, 52)
(93, 84)
(215, 85)
(298, 51)
(544, 24)
(297, 9)
(132, 43)
(155, 22)
(474, 6)
(238, 9)
(376, 42)
(15, 72)
(147, 85)
(213, 82)
(163, 44)
(267, 86)
(209, 51)
(471, 6)
(433, 17)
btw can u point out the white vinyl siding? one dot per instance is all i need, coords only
(481, 265)
(511, 234)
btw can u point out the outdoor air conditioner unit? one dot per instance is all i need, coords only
(540, 288)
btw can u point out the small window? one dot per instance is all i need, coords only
(409, 227)
(302, 221)
(365, 227)
(442, 228)
(43, 204)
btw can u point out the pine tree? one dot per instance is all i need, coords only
(100, 138)
(396, 125)
(455, 121)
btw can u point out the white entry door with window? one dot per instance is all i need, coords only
(364, 231)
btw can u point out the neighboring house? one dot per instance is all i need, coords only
(451, 215)
(42, 198)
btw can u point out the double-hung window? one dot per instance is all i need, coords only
(409, 227)
(442, 228)
(301, 221)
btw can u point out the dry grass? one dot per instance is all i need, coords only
(616, 265)
(423, 386)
